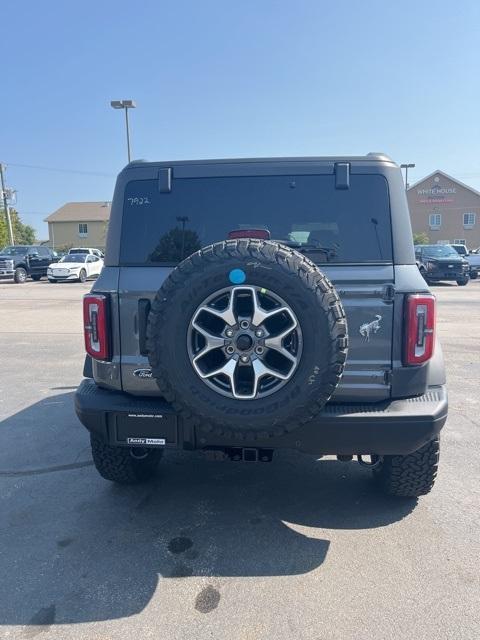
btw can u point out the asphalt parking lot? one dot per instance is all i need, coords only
(292, 549)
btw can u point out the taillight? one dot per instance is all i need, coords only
(95, 326)
(420, 328)
(261, 234)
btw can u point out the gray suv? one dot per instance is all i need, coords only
(253, 305)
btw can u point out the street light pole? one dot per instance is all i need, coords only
(125, 104)
(128, 133)
(5, 204)
(183, 220)
(406, 167)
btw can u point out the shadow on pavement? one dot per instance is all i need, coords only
(76, 548)
(446, 285)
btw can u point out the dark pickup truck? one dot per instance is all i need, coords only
(20, 261)
(440, 262)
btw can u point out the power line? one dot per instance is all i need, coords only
(34, 213)
(57, 169)
(459, 176)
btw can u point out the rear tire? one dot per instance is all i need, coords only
(36, 277)
(20, 275)
(462, 281)
(412, 475)
(473, 275)
(118, 465)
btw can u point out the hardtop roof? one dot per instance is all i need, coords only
(371, 158)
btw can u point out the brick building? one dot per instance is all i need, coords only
(447, 210)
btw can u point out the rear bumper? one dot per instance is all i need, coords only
(394, 427)
(447, 275)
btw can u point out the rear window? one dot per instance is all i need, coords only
(77, 257)
(307, 212)
(439, 251)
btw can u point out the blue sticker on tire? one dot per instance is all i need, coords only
(237, 276)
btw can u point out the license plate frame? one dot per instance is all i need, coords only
(146, 429)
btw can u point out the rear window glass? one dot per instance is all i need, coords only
(307, 212)
(71, 257)
(439, 251)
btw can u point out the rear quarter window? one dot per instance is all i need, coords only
(163, 228)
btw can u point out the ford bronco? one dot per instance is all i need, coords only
(247, 306)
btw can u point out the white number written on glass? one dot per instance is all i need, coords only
(138, 202)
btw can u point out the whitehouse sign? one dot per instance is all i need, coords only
(436, 194)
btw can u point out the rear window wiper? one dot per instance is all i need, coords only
(303, 247)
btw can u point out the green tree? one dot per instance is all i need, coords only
(420, 238)
(3, 230)
(22, 233)
(175, 245)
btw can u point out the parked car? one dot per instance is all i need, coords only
(75, 266)
(94, 252)
(438, 262)
(286, 311)
(472, 258)
(21, 261)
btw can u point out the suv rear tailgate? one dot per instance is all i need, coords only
(365, 291)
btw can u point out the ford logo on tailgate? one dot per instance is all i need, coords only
(143, 373)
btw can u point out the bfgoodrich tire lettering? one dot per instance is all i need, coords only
(309, 294)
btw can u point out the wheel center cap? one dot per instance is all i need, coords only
(244, 342)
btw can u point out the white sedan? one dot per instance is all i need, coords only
(75, 266)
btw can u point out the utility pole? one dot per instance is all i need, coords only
(406, 167)
(5, 204)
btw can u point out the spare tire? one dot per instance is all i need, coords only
(248, 338)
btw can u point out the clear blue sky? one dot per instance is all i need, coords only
(232, 79)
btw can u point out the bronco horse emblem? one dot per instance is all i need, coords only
(368, 327)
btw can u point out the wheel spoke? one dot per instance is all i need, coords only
(260, 314)
(276, 342)
(260, 370)
(285, 353)
(227, 315)
(211, 341)
(228, 370)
